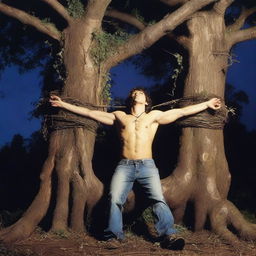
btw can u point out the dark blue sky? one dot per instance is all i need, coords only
(18, 92)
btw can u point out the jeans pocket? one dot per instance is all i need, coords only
(151, 166)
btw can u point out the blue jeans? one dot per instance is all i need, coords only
(146, 174)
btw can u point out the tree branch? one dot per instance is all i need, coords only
(130, 19)
(30, 20)
(173, 2)
(95, 9)
(59, 8)
(221, 6)
(242, 35)
(241, 20)
(151, 34)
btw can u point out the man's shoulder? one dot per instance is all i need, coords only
(119, 113)
(155, 112)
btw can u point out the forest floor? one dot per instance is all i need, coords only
(61, 244)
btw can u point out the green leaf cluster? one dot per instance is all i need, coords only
(106, 94)
(63, 234)
(58, 66)
(75, 8)
(147, 215)
(177, 71)
(106, 44)
(49, 22)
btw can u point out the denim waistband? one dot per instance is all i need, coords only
(136, 161)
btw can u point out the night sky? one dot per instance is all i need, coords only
(19, 92)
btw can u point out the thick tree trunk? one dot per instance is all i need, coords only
(70, 150)
(202, 174)
(73, 164)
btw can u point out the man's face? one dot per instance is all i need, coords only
(139, 97)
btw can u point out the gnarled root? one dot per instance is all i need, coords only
(37, 210)
(73, 166)
(225, 214)
(26, 225)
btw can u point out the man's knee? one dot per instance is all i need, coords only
(117, 199)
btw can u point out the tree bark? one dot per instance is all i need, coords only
(70, 150)
(202, 174)
(73, 157)
(26, 18)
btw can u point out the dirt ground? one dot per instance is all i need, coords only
(60, 244)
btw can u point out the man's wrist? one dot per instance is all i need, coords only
(64, 104)
(207, 104)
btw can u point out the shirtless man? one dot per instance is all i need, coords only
(137, 130)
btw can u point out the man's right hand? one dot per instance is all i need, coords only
(101, 116)
(56, 101)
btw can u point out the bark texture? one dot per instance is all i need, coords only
(202, 174)
(70, 150)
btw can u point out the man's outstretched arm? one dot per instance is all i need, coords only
(101, 116)
(172, 115)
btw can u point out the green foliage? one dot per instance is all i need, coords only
(176, 71)
(75, 8)
(106, 44)
(49, 22)
(147, 215)
(106, 94)
(180, 228)
(58, 65)
(152, 22)
(61, 233)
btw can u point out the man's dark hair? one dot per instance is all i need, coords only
(129, 102)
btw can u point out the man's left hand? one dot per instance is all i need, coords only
(214, 103)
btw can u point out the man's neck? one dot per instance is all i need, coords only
(138, 109)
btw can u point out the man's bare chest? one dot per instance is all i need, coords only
(129, 124)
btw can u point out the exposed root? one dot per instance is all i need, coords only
(225, 214)
(37, 210)
(26, 225)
